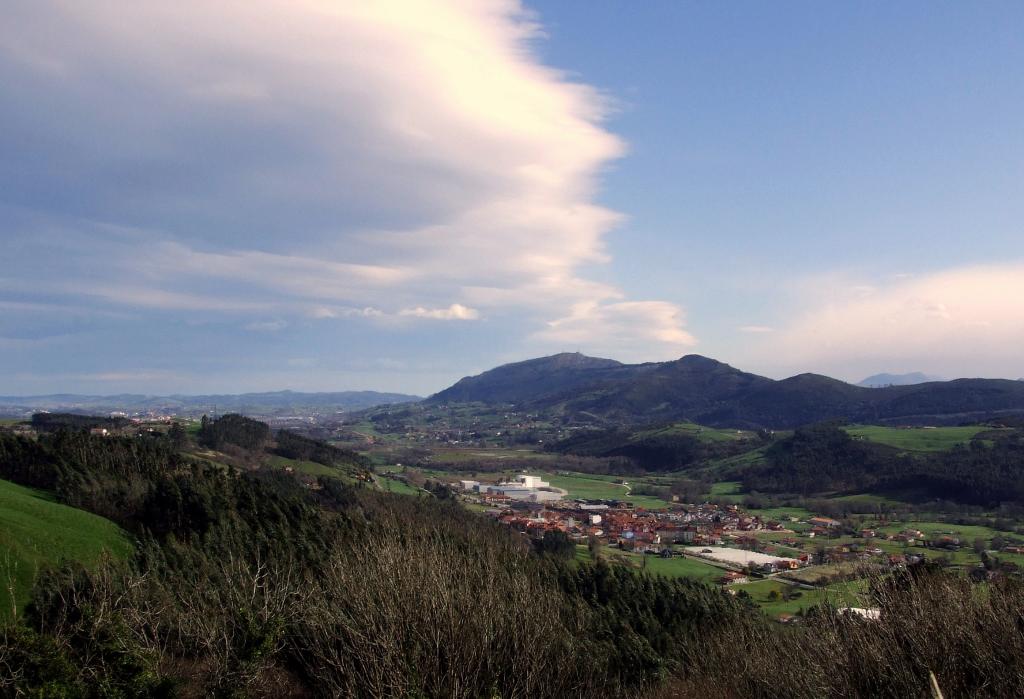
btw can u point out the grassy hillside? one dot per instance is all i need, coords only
(310, 468)
(917, 438)
(691, 429)
(36, 531)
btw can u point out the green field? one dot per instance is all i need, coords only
(675, 567)
(967, 533)
(600, 488)
(36, 531)
(308, 467)
(393, 485)
(681, 567)
(849, 594)
(709, 434)
(917, 438)
(726, 491)
(583, 486)
(730, 463)
(782, 514)
(455, 455)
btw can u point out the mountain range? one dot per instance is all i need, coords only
(249, 403)
(883, 380)
(712, 393)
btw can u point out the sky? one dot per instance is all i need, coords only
(322, 195)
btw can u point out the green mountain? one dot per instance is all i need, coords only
(712, 393)
(525, 381)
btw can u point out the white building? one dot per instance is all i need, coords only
(532, 482)
(526, 488)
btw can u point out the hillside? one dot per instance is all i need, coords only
(525, 381)
(712, 393)
(36, 531)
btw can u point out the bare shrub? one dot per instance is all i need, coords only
(428, 614)
(970, 636)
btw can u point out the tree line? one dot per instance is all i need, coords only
(825, 458)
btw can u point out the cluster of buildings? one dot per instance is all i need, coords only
(725, 535)
(524, 489)
(616, 524)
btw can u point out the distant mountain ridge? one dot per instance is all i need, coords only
(712, 393)
(910, 379)
(241, 402)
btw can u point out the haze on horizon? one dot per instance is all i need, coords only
(326, 196)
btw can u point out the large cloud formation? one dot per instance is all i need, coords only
(961, 321)
(409, 160)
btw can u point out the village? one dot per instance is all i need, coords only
(803, 552)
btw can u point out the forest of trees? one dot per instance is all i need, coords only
(50, 422)
(651, 451)
(295, 446)
(825, 458)
(233, 429)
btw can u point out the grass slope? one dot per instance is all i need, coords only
(36, 531)
(917, 438)
(311, 468)
(690, 429)
(852, 593)
(675, 567)
(600, 488)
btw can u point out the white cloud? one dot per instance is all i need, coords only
(964, 321)
(322, 312)
(755, 329)
(628, 330)
(456, 311)
(297, 156)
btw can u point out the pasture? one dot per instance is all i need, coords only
(709, 434)
(675, 567)
(310, 468)
(768, 594)
(36, 532)
(580, 485)
(922, 439)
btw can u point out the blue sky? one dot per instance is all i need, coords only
(322, 196)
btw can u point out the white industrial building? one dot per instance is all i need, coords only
(526, 488)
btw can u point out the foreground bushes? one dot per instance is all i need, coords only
(971, 637)
(416, 598)
(249, 585)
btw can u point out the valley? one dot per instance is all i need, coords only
(752, 523)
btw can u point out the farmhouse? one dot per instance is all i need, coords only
(825, 522)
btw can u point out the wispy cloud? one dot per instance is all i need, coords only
(456, 311)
